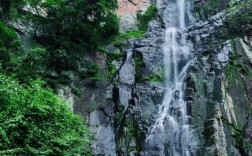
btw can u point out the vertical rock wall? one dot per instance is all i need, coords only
(221, 82)
(218, 86)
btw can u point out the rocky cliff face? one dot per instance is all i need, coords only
(128, 10)
(218, 85)
(221, 107)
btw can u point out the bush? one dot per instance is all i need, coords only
(34, 121)
(144, 19)
(127, 35)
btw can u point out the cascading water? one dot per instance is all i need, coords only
(171, 135)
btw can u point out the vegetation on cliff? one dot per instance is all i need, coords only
(144, 19)
(239, 20)
(34, 121)
(67, 30)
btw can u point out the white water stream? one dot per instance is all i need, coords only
(171, 133)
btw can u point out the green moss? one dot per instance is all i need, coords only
(111, 56)
(131, 133)
(233, 75)
(138, 66)
(127, 35)
(211, 6)
(119, 115)
(114, 56)
(152, 78)
(92, 106)
(110, 73)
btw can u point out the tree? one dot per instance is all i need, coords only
(72, 28)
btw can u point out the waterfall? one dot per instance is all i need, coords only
(171, 135)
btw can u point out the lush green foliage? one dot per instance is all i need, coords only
(34, 121)
(68, 29)
(72, 28)
(144, 19)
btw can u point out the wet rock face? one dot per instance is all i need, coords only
(137, 99)
(217, 92)
(120, 112)
(96, 105)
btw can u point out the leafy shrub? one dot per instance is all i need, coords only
(34, 121)
(144, 19)
(127, 35)
(111, 68)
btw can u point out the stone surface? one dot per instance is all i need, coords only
(127, 11)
